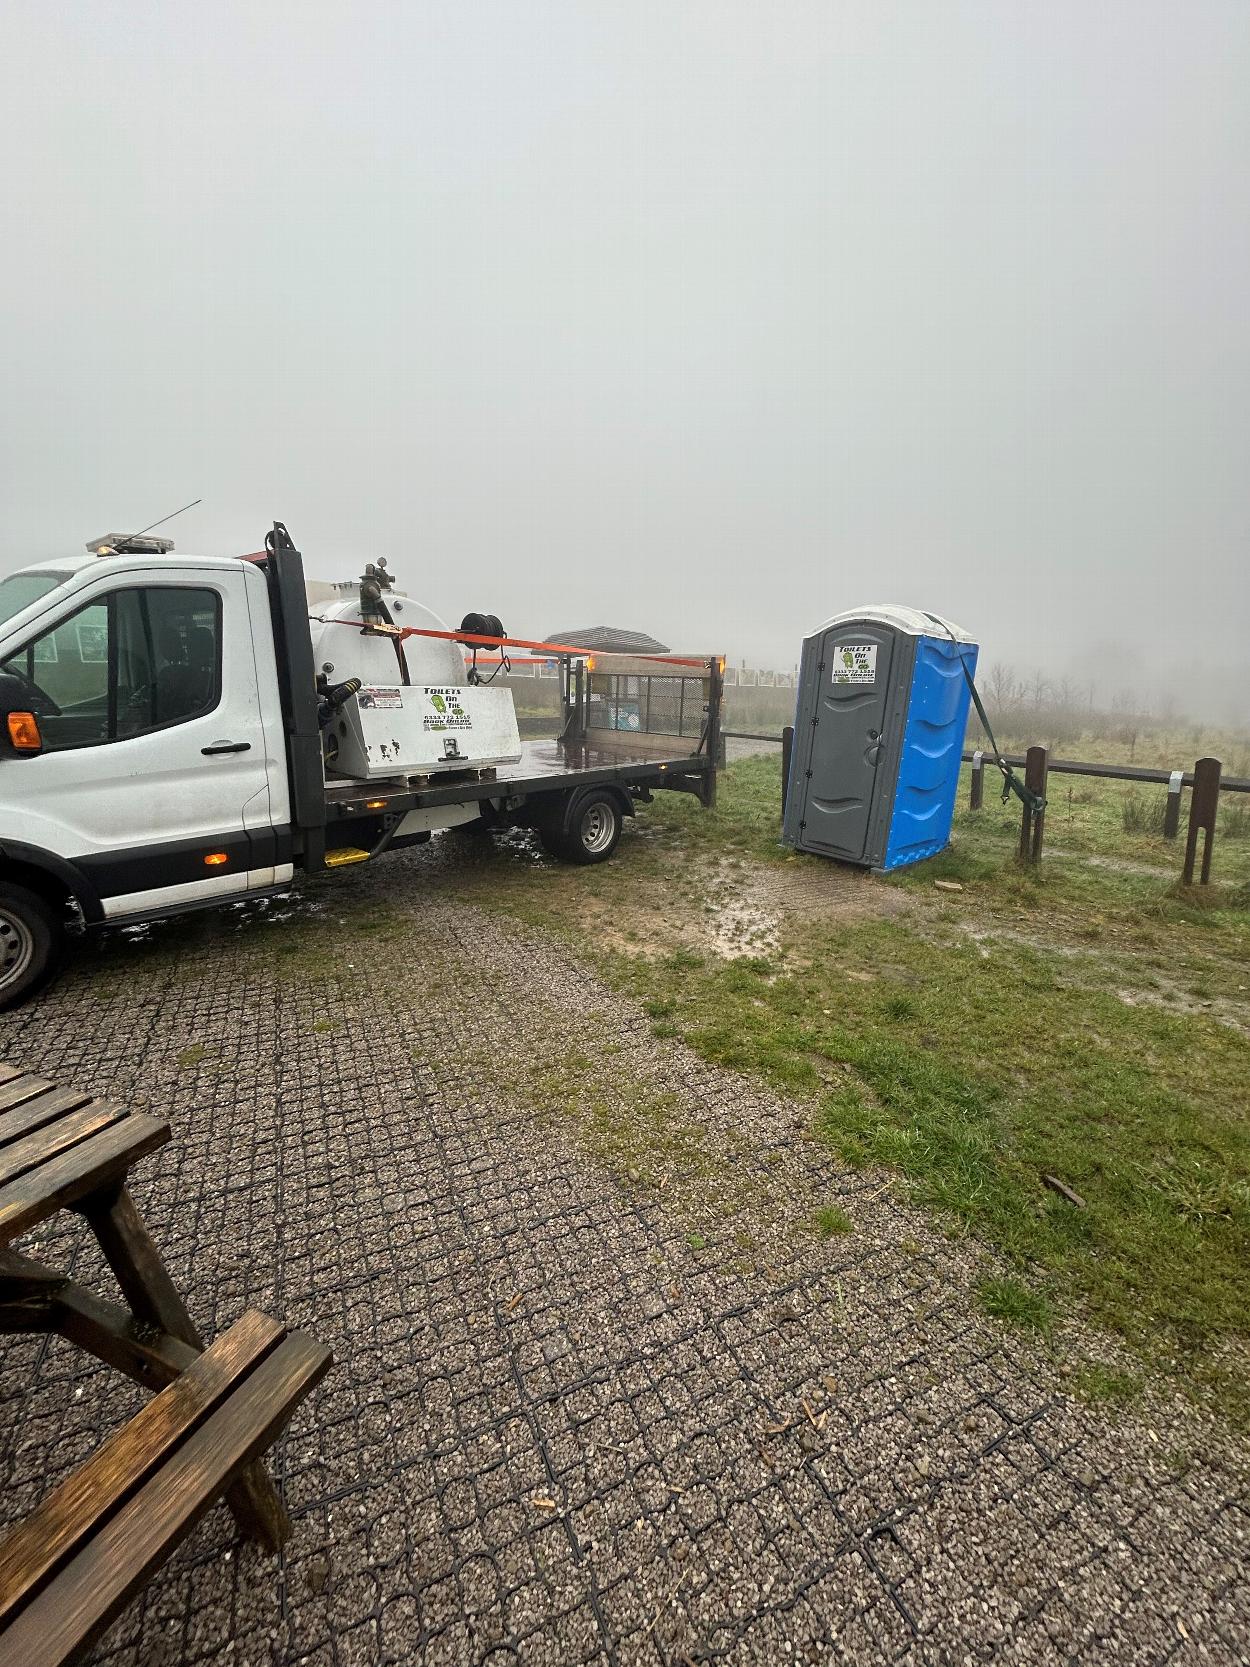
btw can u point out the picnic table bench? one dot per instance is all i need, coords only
(70, 1567)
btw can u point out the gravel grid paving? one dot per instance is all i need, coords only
(555, 1432)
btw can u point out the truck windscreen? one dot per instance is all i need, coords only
(19, 590)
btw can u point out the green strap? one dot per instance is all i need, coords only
(1011, 781)
(1036, 802)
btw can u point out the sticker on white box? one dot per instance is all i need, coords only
(381, 699)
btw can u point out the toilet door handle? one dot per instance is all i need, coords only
(873, 754)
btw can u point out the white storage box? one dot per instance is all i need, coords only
(388, 730)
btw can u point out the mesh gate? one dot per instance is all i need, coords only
(648, 703)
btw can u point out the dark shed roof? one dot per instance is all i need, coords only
(607, 639)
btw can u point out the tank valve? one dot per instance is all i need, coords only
(374, 582)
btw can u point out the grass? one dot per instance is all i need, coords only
(831, 1222)
(988, 1072)
(1143, 814)
(1105, 1385)
(1070, 1022)
(1013, 1301)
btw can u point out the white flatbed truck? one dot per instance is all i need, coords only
(170, 739)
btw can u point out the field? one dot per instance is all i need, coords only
(970, 1029)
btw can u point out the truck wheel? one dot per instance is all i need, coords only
(591, 833)
(31, 935)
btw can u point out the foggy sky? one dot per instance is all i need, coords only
(709, 319)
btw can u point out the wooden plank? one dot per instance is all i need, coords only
(21, 1086)
(103, 1158)
(71, 1611)
(41, 1109)
(40, 1145)
(7, 1072)
(31, 1554)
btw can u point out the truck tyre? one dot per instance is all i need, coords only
(590, 833)
(31, 937)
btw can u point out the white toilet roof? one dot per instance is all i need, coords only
(913, 621)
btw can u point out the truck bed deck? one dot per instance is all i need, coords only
(632, 760)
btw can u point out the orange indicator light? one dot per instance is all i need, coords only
(214, 859)
(24, 732)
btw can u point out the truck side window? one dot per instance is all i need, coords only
(130, 662)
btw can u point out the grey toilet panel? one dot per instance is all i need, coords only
(852, 708)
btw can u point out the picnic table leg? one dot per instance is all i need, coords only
(137, 1264)
(154, 1299)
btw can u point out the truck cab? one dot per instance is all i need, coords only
(150, 774)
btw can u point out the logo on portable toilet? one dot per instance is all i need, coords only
(855, 662)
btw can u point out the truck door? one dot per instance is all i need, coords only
(846, 739)
(154, 774)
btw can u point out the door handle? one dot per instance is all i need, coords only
(873, 754)
(226, 746)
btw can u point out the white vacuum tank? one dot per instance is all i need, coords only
(436, 722)
(341, 652)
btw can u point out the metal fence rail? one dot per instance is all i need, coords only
(1056, 766)
(1112, 772)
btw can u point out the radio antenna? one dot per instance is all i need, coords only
(165, 518)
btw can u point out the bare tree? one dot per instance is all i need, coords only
(1004, 691)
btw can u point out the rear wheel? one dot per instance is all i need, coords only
(31, 935)
(590, 834)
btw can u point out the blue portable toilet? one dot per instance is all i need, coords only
(878, 736)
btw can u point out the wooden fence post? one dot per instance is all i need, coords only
(1032, 823)
(1172, 812)
(1204, 802)
(977, 796)
(787, 754)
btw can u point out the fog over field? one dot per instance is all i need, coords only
(704, 317)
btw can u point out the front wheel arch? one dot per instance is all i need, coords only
(51, 877)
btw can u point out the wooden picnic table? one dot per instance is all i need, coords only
(63, 1149)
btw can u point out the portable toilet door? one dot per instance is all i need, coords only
(854, 748)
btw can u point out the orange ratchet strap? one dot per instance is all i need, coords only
(549, 650)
